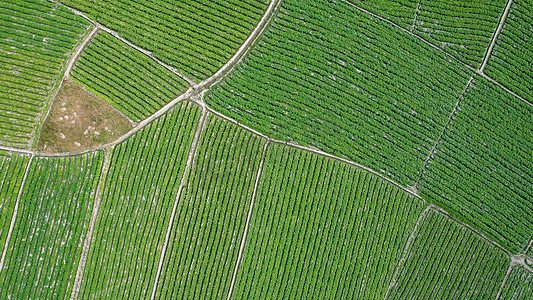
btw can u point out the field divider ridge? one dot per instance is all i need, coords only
(504, 281)
(184, 178)
(417, 13)
(14, 217)
(92, 222)
(248, 220)
(488, 53)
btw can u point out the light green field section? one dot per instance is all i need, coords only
(519, 285)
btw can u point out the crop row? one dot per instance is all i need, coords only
(449, 261)
(323, 229)
(211, 213)
(51, 223)
(519, 285)
(126, 78)
(323, 76)
(196, 37)
(482, 168)
(137, 198)
(511, 61)
(38, 36)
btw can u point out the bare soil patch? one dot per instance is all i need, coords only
(78, 120)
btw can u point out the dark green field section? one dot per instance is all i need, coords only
(51, 223)
(211, 214)
(126, 78)
(322, 76)
(482, 170)
(36, 39)
(448, 261)
(519, 285)
(511, 61)
(401, 12)
(196, 37)
(140, 189)
(12, 168)
(323, 229)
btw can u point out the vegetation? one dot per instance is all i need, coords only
(12, 167)
(36, 39)
(211, 213)
(401, 12)
(126, 78)
(332, 85)
(196, 37)
(51, 223)
(511, 61)
(481, 171)
(321, 228)
(519, 285)
(138, 195)
(449, 261)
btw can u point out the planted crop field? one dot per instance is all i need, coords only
(211, 213)
(12, 168)
(136, 204)
(401, 12)
(330, 84)
(511, 61)
(481, 169)
(321, 228)
(196, 37)
(53, 214)
(519, 285)
(36, 38)
(126, 78)
(449, 261)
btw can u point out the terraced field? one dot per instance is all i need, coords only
(254, 149)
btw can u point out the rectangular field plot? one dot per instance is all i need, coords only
(511, 61)
(126, 78)
(36, 39)
(519, 285)
(482, 170)
(323, 229)
(51, 223)
(448, 261)
(140, 189)
(12, 168)
(196, 37)
(330, 76)
(211, 214)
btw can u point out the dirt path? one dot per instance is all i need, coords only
(504, 281)
(495, 36)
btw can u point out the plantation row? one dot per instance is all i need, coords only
(126, 78)
(331, 84)
(511, 61)
(461, 28)
(448, 261)
(137, 198)
(53, 214)
(519, 285)
(482, 169)
(36, 39)
(323, 229)
(196, 37)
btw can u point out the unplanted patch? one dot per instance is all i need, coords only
(78, 120)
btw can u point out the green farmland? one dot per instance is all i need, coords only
(266, 149)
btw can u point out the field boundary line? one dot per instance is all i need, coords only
(488, 53)
(422, 217)
(92, 222)
(15, 211)
(504, 281)
(248, 219)
(417, 13)
(16, 150)
(184, 178)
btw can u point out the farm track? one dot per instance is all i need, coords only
(495, 36)
(504, 281)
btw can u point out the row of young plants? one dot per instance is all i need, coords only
(37, 37)
(196, 37)
(52, 219)
(323, 229)
(327, 75)
(211, 214)
(136, 204)
(519, 285)
(481, 170)
(126, 78)
(512, 58)
(449, 261)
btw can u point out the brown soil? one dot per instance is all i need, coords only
(78, 120)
